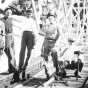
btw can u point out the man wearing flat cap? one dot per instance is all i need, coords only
(27, 42)
(51, 36)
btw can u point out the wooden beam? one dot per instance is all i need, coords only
(36, 15)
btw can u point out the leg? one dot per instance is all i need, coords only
(7, 51)
(45, 50)
(11, 67)
(22, 52)
(46, 53)
(30, 44)
(27, 58)
(84, 82)
(12, 52)
(55, 61)
(46, 72)
(76, 73)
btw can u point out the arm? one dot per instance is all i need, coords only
(57, 36)
(41, 33)
(62, 53)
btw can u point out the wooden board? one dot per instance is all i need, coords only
(5, 80)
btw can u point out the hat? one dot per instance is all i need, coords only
(44, 5)
(70, 40)
(29, 10)
(50, 1)
(49, 15)
(78, 52)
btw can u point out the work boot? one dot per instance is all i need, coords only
(15, 77)
(46, 72)
(23, 75)
(55, 76)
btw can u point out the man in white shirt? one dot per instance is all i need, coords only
(28, 41)
(9, 42)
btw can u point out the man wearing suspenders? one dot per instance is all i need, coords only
(51, 36)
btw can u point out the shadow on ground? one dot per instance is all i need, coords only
(4, 73)
(35, 82)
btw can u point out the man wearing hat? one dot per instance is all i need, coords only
(9, 41)
(51, 36)
(28, 41)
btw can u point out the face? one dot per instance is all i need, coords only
(1, 16)
(52, 19)
(76, 56)
(29, 14)
(45, 10)
(27, 4)
(8, 12)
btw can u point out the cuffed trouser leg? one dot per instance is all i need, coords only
(11, 59)
(55, 61)
(22, 53)
(27, 59)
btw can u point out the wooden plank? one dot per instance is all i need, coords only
(36, 15)
(5, 80)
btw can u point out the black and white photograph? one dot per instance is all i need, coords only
(43, 43)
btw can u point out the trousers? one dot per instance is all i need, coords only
(10, 52)
(28, 41)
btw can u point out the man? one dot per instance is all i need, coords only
(28, 41)
(2, 32)
(52, 34)
(9, 42)
(78, 64)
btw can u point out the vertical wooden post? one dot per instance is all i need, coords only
(36, 16)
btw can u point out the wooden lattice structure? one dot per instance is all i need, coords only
(73, 18)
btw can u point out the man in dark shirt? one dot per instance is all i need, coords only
(78, 65)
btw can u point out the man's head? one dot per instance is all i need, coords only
(77, 53)
(52, 18)
(45, 10)
(29, 13)
(70, 41)
(8, 12)
(27, 4)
